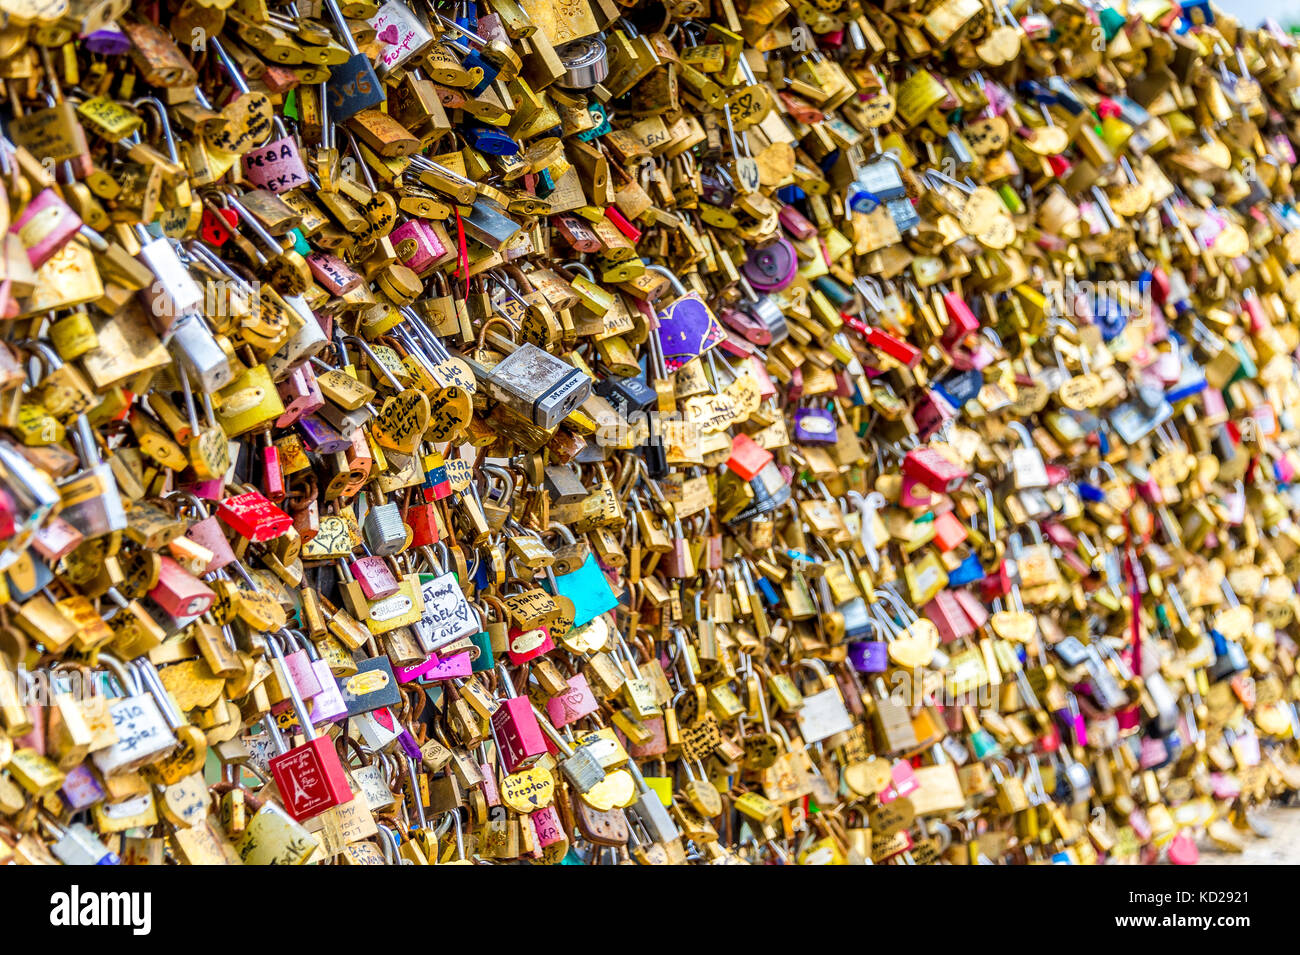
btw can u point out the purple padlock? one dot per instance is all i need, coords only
(80, 788)
(1074, 721)
(320, 436)
(814, 426)
(772, 267)
(869, 656)
(327, 706)
(107, 41)
(409, 746)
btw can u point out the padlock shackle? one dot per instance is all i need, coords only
(232, 69)
(673, 280)
(286, 680)
(370, 353)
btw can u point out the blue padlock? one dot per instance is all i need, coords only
(491, 141)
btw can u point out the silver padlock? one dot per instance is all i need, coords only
(91, 500)
(649, 811)
(303, 344)
(404, 35)
(194, 344)
(77, 845)
(533, 383)
(142, 730)
(383, 529)
(174, 293)
(580, 766)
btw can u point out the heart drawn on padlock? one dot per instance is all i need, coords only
(450, 409)
(401, 422)
(390, 34)
(528, 790)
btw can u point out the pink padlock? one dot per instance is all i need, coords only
(973, 608)
(418, 246)
(374, 576)
(46, 226)
(207, 533)
(213, 490)
(948, 617)
(300, 394)
(456, 665)
(516, 728)
(55, 540)
(546, 825)
(302, 670)
(1153, 752)
(327, 706)
(414, 672)
(573, 704)
(904, 782)
(276, 167)
(1285, 472)
(758, 369)
(335, 275)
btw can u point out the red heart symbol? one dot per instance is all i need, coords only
(390, 34)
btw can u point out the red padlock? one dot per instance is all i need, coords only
(529, 644)
(310, 777)
(935, 471)
(962, 320)
(253, 517)
(422, 519)
(996, 584)
(179, 592)
(748, 457)
(894, 347)
(948, 531)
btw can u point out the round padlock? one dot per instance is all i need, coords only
(772, 267)
(585, 62)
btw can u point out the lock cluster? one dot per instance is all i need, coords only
(654, 431)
